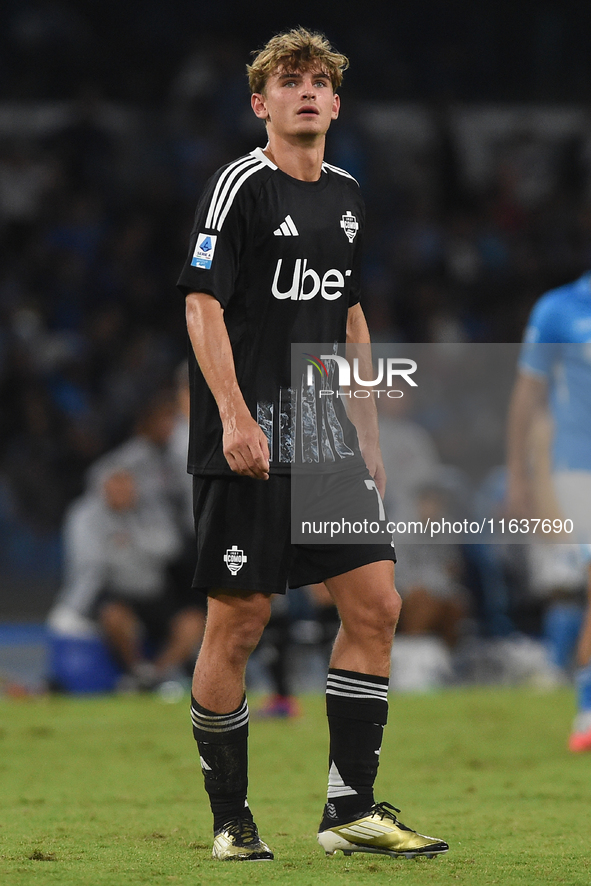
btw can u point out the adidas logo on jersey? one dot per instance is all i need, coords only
(287, 228)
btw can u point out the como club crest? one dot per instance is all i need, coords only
(235, 559)
(350, 225)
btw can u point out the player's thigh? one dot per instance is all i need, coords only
(352, 496)
(338, 507)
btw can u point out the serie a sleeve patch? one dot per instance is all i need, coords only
(204, 250)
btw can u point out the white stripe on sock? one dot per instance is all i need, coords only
(336, 785)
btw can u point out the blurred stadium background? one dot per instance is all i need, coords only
(467, 125)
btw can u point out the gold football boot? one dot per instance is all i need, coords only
(379, 832)
(239, 840)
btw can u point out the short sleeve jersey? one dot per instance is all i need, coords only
(282, 256)
(557, 347)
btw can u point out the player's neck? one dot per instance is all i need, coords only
(301, 160)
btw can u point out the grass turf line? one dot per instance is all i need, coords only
(108, 791)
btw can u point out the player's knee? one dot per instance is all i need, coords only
(246, 622)
(376, 623)
(249, 633)
(387, 614)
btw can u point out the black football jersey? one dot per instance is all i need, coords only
(282, 256)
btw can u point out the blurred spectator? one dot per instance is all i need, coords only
(181, 493)
(327, 618)
(118, 544)
(145, 453)
(409, 453)
(318, 629)
(44, 465)
(25, 179)
(156, 455)
(85, 146)
(177, 453)
(429, 578)
(275, 652)
(557, 583)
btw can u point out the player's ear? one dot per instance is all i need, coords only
(336, 106)
(259, 105)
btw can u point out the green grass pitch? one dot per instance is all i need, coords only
(108, 791)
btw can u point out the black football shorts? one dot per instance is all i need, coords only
(243, 534)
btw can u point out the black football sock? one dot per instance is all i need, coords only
(222, 740)
(357, 709)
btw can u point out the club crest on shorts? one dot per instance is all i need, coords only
(235, 559)
(350, 225)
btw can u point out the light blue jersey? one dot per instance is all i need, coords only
(557, 347)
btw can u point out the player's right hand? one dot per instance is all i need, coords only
(245, 448)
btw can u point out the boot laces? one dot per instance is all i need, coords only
(242, 829)
(386, 810)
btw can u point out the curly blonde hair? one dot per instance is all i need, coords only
(296, 50)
